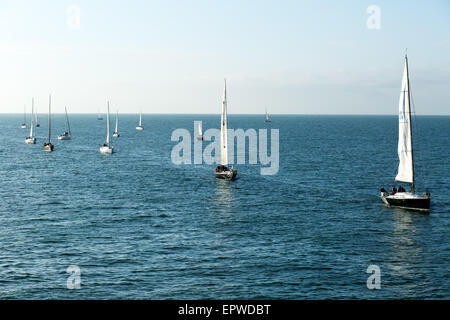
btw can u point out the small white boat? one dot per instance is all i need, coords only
(140, 127)
(99, 117)
(267, 117)
(48, 146)
(116, 130)
(35, 116)
(31, 139)
(200, 132)
(107, 148)
(222, 171)
(402, 198)
(66, 135)
(24, 124)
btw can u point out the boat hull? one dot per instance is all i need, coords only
(64, 138)
(48, 147)
(139, 128)
(30, 140)
(116, 135)
(407, 200)
(106, 150)
(226, 175)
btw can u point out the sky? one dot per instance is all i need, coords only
(171, 56)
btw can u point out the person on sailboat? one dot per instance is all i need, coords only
(401, 189)
(394, 191)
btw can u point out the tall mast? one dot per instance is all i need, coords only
(49, 118)
(67, 123)
(224, 128)
(107, 126)
(410, 123)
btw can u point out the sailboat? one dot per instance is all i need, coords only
(267, 117)
(66, 135)
(31, 139)
(116, 131)
(99, 117)
(140, 127)
(35, 115)
(48, 146)
(200, 132)
(402, 198)
(24, 124)
(222, 171)
(107, 148)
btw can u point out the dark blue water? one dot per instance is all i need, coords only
(140, 227)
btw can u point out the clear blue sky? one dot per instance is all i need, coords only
(170, 56)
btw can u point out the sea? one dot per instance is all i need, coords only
(136, 225)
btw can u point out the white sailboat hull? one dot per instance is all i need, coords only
(30, 140)
(116, 135)
(64, 138)
(106, 150)
(408, 200)
(139, 128)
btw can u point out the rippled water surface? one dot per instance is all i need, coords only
(140, 227)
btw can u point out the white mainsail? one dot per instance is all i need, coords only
(67, 123)
(223, 129)
(140, 119)
(117, 122)
(267, 115)
(200, 132)
(107, 128)
(32, 119)
(405, 148)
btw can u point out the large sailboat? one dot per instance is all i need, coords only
(31, 139)
(66, 135)
(107, 148)
(116, 130)
(140, 127)
(401, 197)
(48, 146)
(222, 171)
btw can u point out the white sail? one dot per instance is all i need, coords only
(67, 123)
(200, 132)
(405, 149)
(107, 127)
(140, 119)
(32, 119)
(267, 115)
(117, 122)
(223, 129)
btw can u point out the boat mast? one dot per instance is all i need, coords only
(107, 127)
(224, 128)
(67, 123)
(410, 124)
(49, 118)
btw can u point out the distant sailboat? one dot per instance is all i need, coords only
(35, 115)
(24, 124)
(48, 146)
(66, 135)
(107, 148)
(140, 127)
(200, 132)
(99, 117)
(267, 117)
(402, 198)
(222, 171)
(31, 139)
(116, 131)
